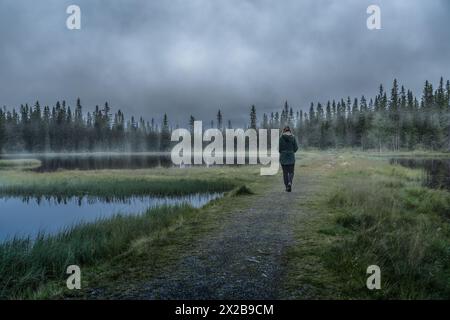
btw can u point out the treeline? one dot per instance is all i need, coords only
(391, 120)
(396, 120)
(59, 129)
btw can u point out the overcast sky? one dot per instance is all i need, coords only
(185, 57)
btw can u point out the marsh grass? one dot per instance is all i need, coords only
(390, 220)
(72, 185)
(19, 164)
(26, 265)
(29, 267)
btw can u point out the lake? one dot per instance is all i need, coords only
(90, 161)
(24, 217)
(99, 161)
(436, 170)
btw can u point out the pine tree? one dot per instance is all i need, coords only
(448, 114)
(2, 129)
(276, 120)
(165, 134)
(219, 120)
(253, 117)
(362, 123)
(401, 122)
(291, 118)
(265, 122)
(394, 116)
(284, 115)
(191, 123)
(441, 114)
(448, 93)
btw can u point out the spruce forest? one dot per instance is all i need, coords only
(394, 119)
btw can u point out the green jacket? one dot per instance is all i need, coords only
(287, 148)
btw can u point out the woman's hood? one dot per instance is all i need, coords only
(287, 136)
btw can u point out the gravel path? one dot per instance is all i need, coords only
(244, 261)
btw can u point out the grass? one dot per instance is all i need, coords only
(26, 265)
(107, 183)
(359, 211)
(31, 268)
(241, 191)
(383, 216)
(363, 211)
(36, 269)
(155, 254)
(19, 164)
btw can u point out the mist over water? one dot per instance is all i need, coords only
(92, 161)
(102, 161)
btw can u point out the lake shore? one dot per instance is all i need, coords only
(348, 210)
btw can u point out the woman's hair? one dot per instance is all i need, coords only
(286, 129)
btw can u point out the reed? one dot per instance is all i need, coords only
(26, 264)
(394, 222)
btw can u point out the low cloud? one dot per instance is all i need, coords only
(193, 57)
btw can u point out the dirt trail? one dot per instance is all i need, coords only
(243, 261)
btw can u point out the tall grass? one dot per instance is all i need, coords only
(19, 164)
(390, 220)
(26, 265)
(108, 186)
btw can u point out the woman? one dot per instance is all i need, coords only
(287, 148)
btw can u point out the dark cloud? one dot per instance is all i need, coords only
(192, 57)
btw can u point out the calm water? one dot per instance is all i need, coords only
(436, 171)
(27, 216)
(89, 161)
(96, 161)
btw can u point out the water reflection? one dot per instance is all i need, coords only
(27, 216)
(437, 171)
(96, 162)
(91, 161)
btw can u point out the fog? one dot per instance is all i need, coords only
(193, 57)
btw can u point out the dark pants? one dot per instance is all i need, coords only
(288, 173)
